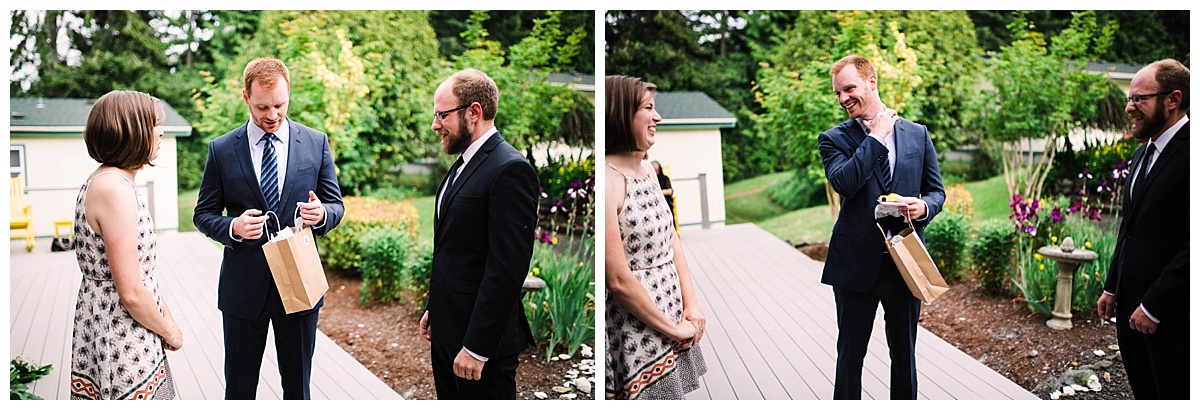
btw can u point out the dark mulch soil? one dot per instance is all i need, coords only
(387, 340)
(1003, 334)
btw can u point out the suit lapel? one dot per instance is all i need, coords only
(469, 169)
(1164, 162)
(858, 136)
(293, 162)
(241, 152)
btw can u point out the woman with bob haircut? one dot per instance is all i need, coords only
(653, 322)
(123, 326)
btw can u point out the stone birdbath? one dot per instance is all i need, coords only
(1068, 259)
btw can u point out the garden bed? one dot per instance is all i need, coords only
(387, 340)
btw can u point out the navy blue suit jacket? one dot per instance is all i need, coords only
(1151, 261)
(229, 187)
(482, 244)
(853, 165)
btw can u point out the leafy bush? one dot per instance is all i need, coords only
(565, 310)
(960, 201)
(1037, 283)
(1089, 278)
(389, 265)
(339, 248)
(992, 256)
(946, 238)
(20, 374)
(803, 189)
(568, 200)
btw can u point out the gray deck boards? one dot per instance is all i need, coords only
(43, 288)
(772, 333)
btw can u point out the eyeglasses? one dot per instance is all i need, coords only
(1137, 98)
(441, 115)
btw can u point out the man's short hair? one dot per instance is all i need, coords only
(1172, 75)
(864, 67)
(120, 128)
(622, 99)
(473, 86)
(265, 70)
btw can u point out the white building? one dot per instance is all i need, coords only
(688, 145)
(47, 151)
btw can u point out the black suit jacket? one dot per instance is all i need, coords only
(853, 165)
(229, 187)
(1150, 262)
(482, 244)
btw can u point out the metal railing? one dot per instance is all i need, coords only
(705, 221)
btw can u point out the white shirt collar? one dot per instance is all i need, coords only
(1164, 139)
(474, 147)
(255, 133)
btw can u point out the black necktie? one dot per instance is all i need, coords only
(1144, 169)
(450, 179)
(269, 183)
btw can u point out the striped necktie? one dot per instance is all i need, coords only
(269, 183)
(887, 174)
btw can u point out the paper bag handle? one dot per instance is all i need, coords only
(278, 227)
(906, 219)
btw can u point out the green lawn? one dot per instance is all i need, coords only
(187, 207)
(745, 202)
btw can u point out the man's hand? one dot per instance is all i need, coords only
(249, 225)
(425, 333)
(1142, 323)
(1106, 306)
(311, 212)
(914, 206)
(467, 366)
(882, 123)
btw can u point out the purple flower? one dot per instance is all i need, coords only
(1056, 214)
(542, 192)
(558, 204)
(544, 237)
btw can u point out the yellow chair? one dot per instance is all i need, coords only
(22, 214)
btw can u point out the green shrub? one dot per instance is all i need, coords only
(565, 310)
(20, 374)
(388, 259)
(993, 256)
(1039, 278)
(946, 238)
(339, 248)
(802, 190)
(1089, 278)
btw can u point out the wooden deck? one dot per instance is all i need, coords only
(772, 331)
(43, 288)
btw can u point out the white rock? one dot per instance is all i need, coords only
(560, 389)
(564, 356)
(584, 367)
(1055, 395)
(1078, 388)
(583, 385)
(554, 359)
(361, 325)
(540, 395)
(1068, 391)
(568, 396)
(1098, 353)
(585, 350)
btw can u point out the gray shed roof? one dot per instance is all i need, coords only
(1119, 71)
(691, 109)
(69, 115)
(581, 82)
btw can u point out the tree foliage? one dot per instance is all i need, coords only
(1040, 92)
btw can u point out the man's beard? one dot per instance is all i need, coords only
(457, 142)
(1152, 125)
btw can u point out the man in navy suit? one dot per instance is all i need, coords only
(483, 239)
(269, 164)
(873, 153)
(1147, 285)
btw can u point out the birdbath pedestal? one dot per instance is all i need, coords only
(1068, 259)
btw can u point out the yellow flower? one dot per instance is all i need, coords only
(1037, 256)
(1087, 245)
(1041, 266)
(581, 264)
(537, 271)
(554, 240)
(1054, 239)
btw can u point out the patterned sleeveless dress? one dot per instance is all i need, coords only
(642, 363)
(113, 357)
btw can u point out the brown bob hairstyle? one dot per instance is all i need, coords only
(622, 98)
(120, 128)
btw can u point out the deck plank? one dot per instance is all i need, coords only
(772, 324)
(43, 288)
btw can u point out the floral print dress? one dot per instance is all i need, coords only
(113, 357)
(642, 363)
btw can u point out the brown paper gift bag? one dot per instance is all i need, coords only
(296, 267)
(915, 265)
